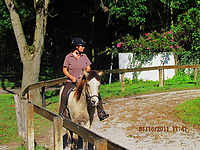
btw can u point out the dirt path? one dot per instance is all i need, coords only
(128, 116)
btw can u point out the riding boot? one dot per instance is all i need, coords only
(101, 113)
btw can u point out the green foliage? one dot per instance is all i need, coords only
(180, 78)
(9, 55)
(126, 10)
(7, 84)
(141, 81)
(24, 9)
(37, 147)
(5, 21)
(178, 4)
(187, 33)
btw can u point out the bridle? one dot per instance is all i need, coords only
(88, 94)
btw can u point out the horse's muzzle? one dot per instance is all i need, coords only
(94, 100)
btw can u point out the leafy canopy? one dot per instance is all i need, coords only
(127, 10)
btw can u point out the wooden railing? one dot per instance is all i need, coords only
(25, 110)
(42, 85)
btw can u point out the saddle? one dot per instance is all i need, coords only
(68, 93)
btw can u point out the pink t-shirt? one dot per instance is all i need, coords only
(75, 66)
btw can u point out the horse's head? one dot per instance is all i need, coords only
(92, 86)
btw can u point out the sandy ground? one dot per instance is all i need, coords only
(144, 122)
(153, 112)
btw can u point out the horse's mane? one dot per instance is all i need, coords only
(81, 83)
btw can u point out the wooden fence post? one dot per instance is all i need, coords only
(43, 97)
(100, 144)
(24, 119)
(30, 126)
(17, 98)
(122, 82)
(160, 78)
(195, 74)
(58, 133)
(163, 75)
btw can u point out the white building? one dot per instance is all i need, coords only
(167, 59)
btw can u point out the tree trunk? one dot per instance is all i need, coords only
(30, 55)
(30, 76)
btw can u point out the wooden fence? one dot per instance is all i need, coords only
(159, 68)
(25, 109)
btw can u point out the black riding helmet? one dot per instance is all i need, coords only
(78, 42)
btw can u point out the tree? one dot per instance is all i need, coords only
(30, 54)
(126, 12)
(187, 31)
(9, 57)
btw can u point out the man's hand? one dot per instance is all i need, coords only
(73, 79)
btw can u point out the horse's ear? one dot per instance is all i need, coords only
(100, 73)
(85, 73)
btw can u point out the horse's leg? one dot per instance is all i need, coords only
(69, 139)
(74, 140)
(85, 143)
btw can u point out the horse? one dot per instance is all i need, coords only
(82, 102)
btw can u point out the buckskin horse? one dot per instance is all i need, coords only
(82, 102)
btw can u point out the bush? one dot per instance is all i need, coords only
(6, 84)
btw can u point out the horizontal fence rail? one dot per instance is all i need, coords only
(120, 71)
(43, 84)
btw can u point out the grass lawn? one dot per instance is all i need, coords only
(189, 112)
(8, 124)
(143, 87)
